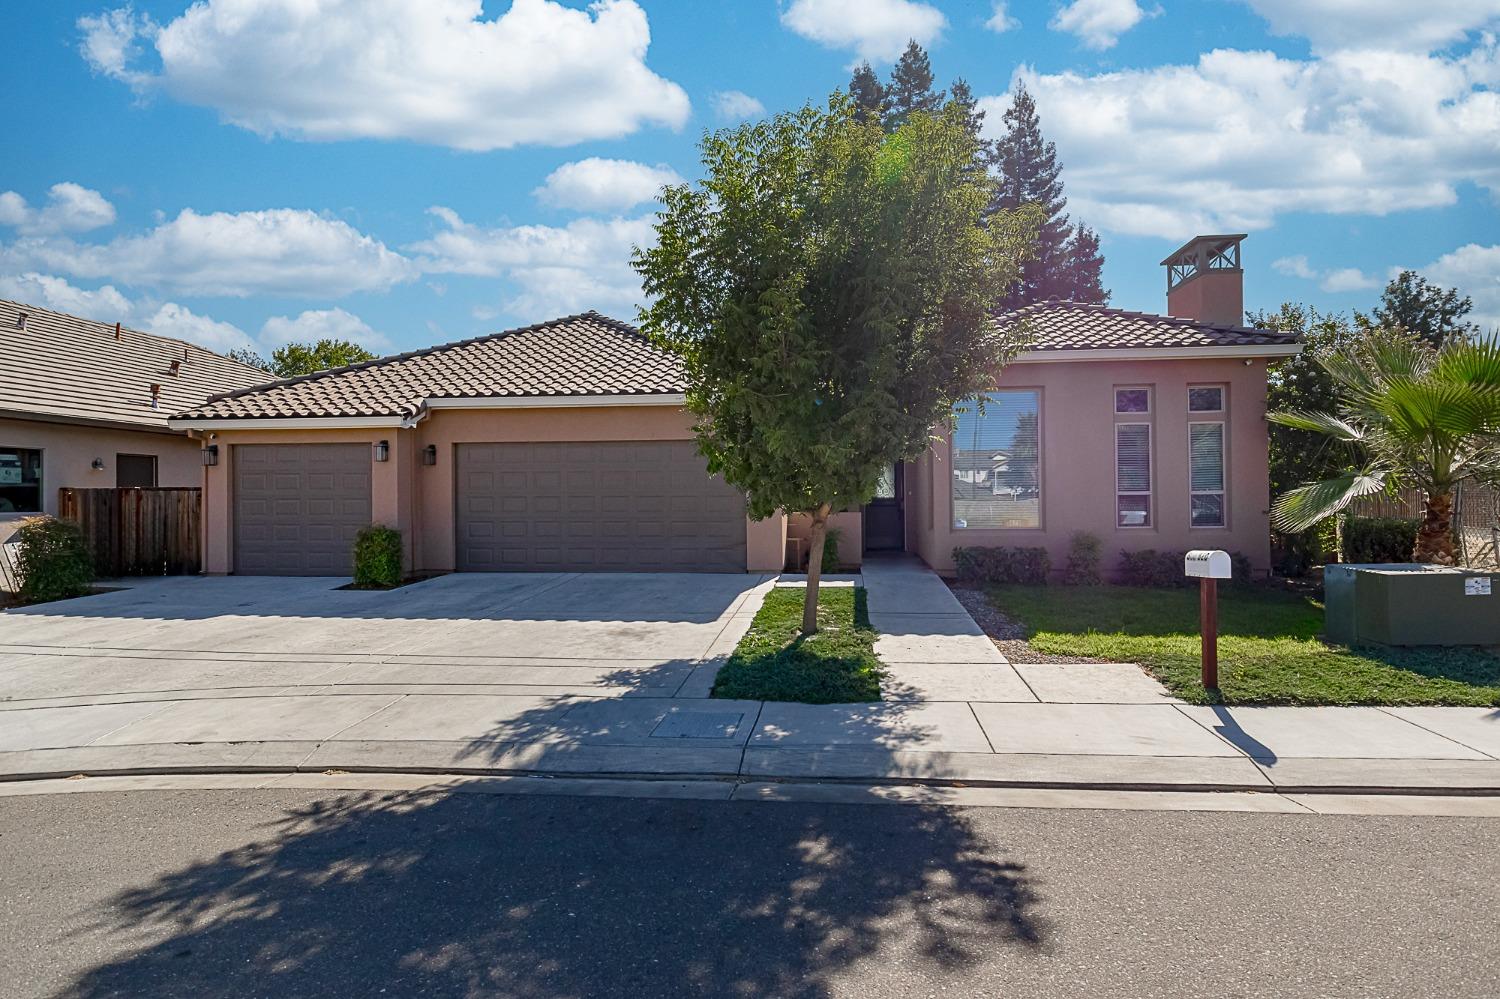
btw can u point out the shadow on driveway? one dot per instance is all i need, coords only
(441, 893)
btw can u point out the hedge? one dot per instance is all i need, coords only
(1379, 539)
(1003, 565)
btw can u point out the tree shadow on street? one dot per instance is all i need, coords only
(438, 892)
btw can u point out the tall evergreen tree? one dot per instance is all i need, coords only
(1067, 263)
(910, 88)
(868, 93)
(1435, 314)
(962, 95)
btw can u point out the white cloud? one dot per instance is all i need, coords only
(434, 72)
(1232, 141)
(1475, 271)
(1348, 279)
(70, 208)
(736, 105)
(877, 30)
(1297, 267)
(323, 324)
(1379, 24)
(1098, 24)
(597, 184)
(1000, 20)
(557, 269)
(279, 251)
(182, 323)
(104, 304)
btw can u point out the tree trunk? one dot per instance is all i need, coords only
(1435, 535)
(814, 570)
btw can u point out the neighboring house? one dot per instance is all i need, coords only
(85, 404)
(564, 447)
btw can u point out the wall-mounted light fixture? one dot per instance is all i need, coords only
(97, 464)
(382, 450)
(429, 455)
(211, 455)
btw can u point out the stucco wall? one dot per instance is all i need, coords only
(69, 450)
(421, 500)
(1078, 464)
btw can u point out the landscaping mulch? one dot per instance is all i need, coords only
(1008, 634)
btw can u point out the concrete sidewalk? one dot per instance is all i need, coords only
(355, 689)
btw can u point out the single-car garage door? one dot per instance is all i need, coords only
(615, 506)
(297, 507)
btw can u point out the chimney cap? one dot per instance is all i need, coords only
(1215, 243)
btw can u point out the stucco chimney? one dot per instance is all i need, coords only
(1205, 282)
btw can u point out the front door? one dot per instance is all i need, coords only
(885, 520)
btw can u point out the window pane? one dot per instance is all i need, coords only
(997, 462)
(1134, 511)
(20, 480)
(886, 487)
(1206, 457)
(1132, 400)
(1133, 458)
(1208, 399)
(1208, 510)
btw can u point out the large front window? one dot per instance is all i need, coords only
(996, 461)
(20, 480)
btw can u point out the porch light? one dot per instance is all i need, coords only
(382, 450)
(429, 455)
(211, 455)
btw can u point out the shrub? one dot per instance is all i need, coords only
(1150, 567)
(377, 557)
(1003, 565)
(1084, 556)
(1379, 539)
(831, 538)
(52, 561)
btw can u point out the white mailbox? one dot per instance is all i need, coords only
(1207, 565)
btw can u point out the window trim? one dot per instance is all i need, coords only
(1150, 492)
(1041, 477)
(1223, 491)
(41, 485)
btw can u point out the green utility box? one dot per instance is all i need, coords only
(1410, 605)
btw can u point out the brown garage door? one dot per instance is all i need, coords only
(598, 506)
(297, 507)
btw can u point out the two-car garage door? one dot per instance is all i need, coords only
(595, 506)
(298, 507)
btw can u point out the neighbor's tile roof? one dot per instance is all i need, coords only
(1064, 326)
(62, 367)
(586, 354)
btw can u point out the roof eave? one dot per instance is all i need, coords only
(1158, 353)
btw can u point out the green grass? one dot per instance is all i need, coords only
(774, 663)
(1269, 650)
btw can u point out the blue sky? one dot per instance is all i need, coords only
(253, 171)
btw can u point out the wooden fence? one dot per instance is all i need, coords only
(138, 532)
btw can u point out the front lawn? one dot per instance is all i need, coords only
(1269, 652)
(835, 666)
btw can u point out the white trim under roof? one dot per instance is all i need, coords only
(294, 423)
(559, 401)
(1157, 353)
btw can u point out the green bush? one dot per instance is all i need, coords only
(377, 556)
(1003, 565)
(1379, 539)
(1084, 555)
(52, 561)
(831, 549)
(1150, 567)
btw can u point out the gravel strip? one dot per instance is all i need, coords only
(1008, 634)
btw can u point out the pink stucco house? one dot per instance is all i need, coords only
(564, 447)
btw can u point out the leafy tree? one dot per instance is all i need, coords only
(910, 89)
(1435, 314)
(827, 288)
(304, 358)
(1067, 263)
(868, 94)
(1412, 415)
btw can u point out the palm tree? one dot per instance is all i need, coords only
(1411, 415)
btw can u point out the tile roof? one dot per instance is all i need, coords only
(586, 354)
(1065, 326)
(61, 367)
(590, 354)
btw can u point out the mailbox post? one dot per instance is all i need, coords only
(1208, 567)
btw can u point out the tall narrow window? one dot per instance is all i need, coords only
(1206, 474)
(996, 462)
(1133, 474)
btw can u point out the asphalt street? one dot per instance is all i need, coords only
(310, 893)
